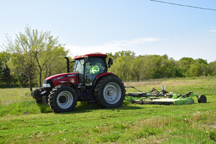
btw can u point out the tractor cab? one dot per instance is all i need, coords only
(88, 67)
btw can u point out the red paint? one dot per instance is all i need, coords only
(105, 73)
(91, 55)
(65, 77)
(56, 79)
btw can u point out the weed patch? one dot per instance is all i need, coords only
(212, 135)
(19, 108)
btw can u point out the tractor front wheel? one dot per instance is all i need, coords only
(110, 92)
(62, 98)
(36, 96)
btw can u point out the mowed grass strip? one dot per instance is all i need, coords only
(128, 124)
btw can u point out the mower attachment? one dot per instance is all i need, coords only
(163, 97)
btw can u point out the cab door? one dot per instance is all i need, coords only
(94, 67)
(79, 68)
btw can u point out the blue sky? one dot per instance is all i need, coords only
(142, 26)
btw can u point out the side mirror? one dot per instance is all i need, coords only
(110, 62)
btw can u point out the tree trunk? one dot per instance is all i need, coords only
(40, 77)
(30, 82)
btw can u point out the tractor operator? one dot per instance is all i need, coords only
(94, 69)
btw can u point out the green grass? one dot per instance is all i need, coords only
(23, 121)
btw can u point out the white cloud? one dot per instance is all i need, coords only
(113, 46)
(213, 30)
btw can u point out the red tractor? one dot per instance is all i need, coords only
(89, 82)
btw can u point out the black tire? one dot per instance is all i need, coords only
(38, 101)
(45, 100)
(202, 99)
(62, 98)
(109, 92)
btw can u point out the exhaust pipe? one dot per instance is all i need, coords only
(67, 64)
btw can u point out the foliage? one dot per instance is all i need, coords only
(212, 66)
(143, 67)
(35, 55)
(5, 76)
(123, 68)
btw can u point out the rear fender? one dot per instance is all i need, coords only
(101, 76)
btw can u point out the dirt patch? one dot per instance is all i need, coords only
(160, 82)
(212, 125)
(26, 113)
(141, 83)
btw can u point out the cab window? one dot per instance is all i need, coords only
(78, 67)
(94, 67)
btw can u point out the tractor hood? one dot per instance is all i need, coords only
(56, 79)
(60, 76)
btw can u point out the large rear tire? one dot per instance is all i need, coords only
(110, 92)
(62, 98)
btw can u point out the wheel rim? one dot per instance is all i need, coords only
(64, 99)
(112, 93)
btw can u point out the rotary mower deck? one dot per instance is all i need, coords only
(163, 97)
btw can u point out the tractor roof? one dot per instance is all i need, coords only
(91, 55)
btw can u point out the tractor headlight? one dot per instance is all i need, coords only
(46, 85)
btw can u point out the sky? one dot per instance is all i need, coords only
(143, 26)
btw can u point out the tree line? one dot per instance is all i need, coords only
(130, 67)
(34, 55)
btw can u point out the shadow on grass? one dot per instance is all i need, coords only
(44, 108)
(85, 107)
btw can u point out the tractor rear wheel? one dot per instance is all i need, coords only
(62, 98)
(110, 92)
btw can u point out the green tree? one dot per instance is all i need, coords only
(204, 68)
(6, 77)
(201, 61)
(21, 69)
(56, 63)
(137, 68)
(176, 72)
(212, 68)
(163, 67)
(194, 70)
(32, 51)
(4, 70)
(123, 68)
(121, 54)
(184, 65)
(1, 69)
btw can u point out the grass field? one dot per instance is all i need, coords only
(23, 121)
